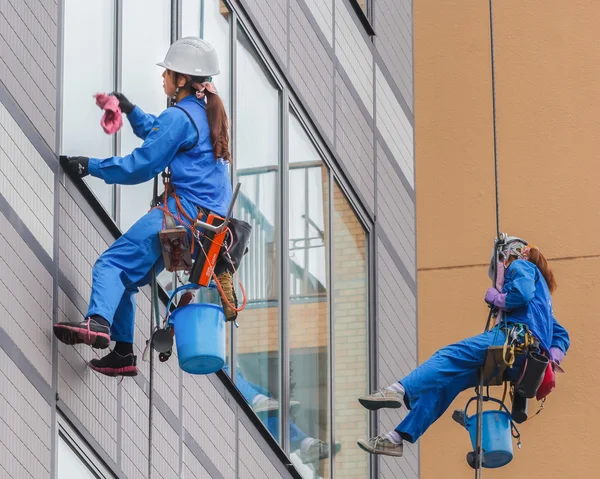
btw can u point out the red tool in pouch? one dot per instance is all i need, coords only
(203, 268)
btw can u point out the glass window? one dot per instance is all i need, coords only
(146, 39)
(256, 161)
(309, 305)
(350, 321)
(364, 5)
(210, 20)
(76, 459)
(89, 58)
(191, 17)
(215, 30)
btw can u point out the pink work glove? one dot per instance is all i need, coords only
(495, 298)
(112, 120)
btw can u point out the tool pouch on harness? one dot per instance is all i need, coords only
(175, 246)
(532, 375)
(234, 247)
(204, 264)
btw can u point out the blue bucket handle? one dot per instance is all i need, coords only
(491, 399)
(174, 294)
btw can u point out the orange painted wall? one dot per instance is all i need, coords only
(548, 122)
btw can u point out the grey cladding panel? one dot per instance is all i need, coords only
(354, 145)
(394, 42)
(311, 69)
(28, 62)
(271, 16)
(396, 212)
(91, 397)
(25, 419)
(397, 352)
(25, 299)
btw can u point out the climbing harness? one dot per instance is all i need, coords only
(218, 251)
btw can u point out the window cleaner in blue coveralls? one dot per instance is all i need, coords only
(430, 389)
(190, 138)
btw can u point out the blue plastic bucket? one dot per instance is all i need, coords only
(496, 437)
(200, 337)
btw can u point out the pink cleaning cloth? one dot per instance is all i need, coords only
(112, 120)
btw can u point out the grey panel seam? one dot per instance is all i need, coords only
(27, 236)
(177, 425)
(287, 39)
(27, 127)
(197, 451)
(386, 149)
(25, 366)
(56, 235)
(395, 90)
(71, 292)
(396, 259)
(361, 105)
(412, 16)
(378, 60)
(270, 50)
(317, 29)
(263, 446)
(275, 461)
(89, 212)
(98, 449)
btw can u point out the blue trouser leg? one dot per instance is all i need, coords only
(297, 435)
(431, 388)
(246, 388)
(125, 266)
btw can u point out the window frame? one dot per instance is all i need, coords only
(366, 18)
(67, 433)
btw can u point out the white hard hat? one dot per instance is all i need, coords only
(506, 246)
(192, 56)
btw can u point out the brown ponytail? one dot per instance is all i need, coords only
(219, 126)
(538, 259)
(215, 113)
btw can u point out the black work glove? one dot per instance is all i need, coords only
(125, 105)
(75, 165)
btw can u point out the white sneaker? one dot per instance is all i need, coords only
(269, 404)
(384, 398)
(266, 404)
(381, 445)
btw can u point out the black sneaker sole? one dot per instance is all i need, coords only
(129, 371)
(375, 404)
(76, 335)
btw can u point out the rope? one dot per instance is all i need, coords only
(478, 451)
(494, 119)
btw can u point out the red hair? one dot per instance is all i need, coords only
(537, 258)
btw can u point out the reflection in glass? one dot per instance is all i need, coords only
(309, 305)
(89, 52)
(350, 319)
(257, 120)
(146, 39)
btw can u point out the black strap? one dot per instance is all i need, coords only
(195, 128)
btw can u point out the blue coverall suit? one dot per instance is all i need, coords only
(431, 388)
(180, 139)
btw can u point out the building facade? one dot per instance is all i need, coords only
(320, 98)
